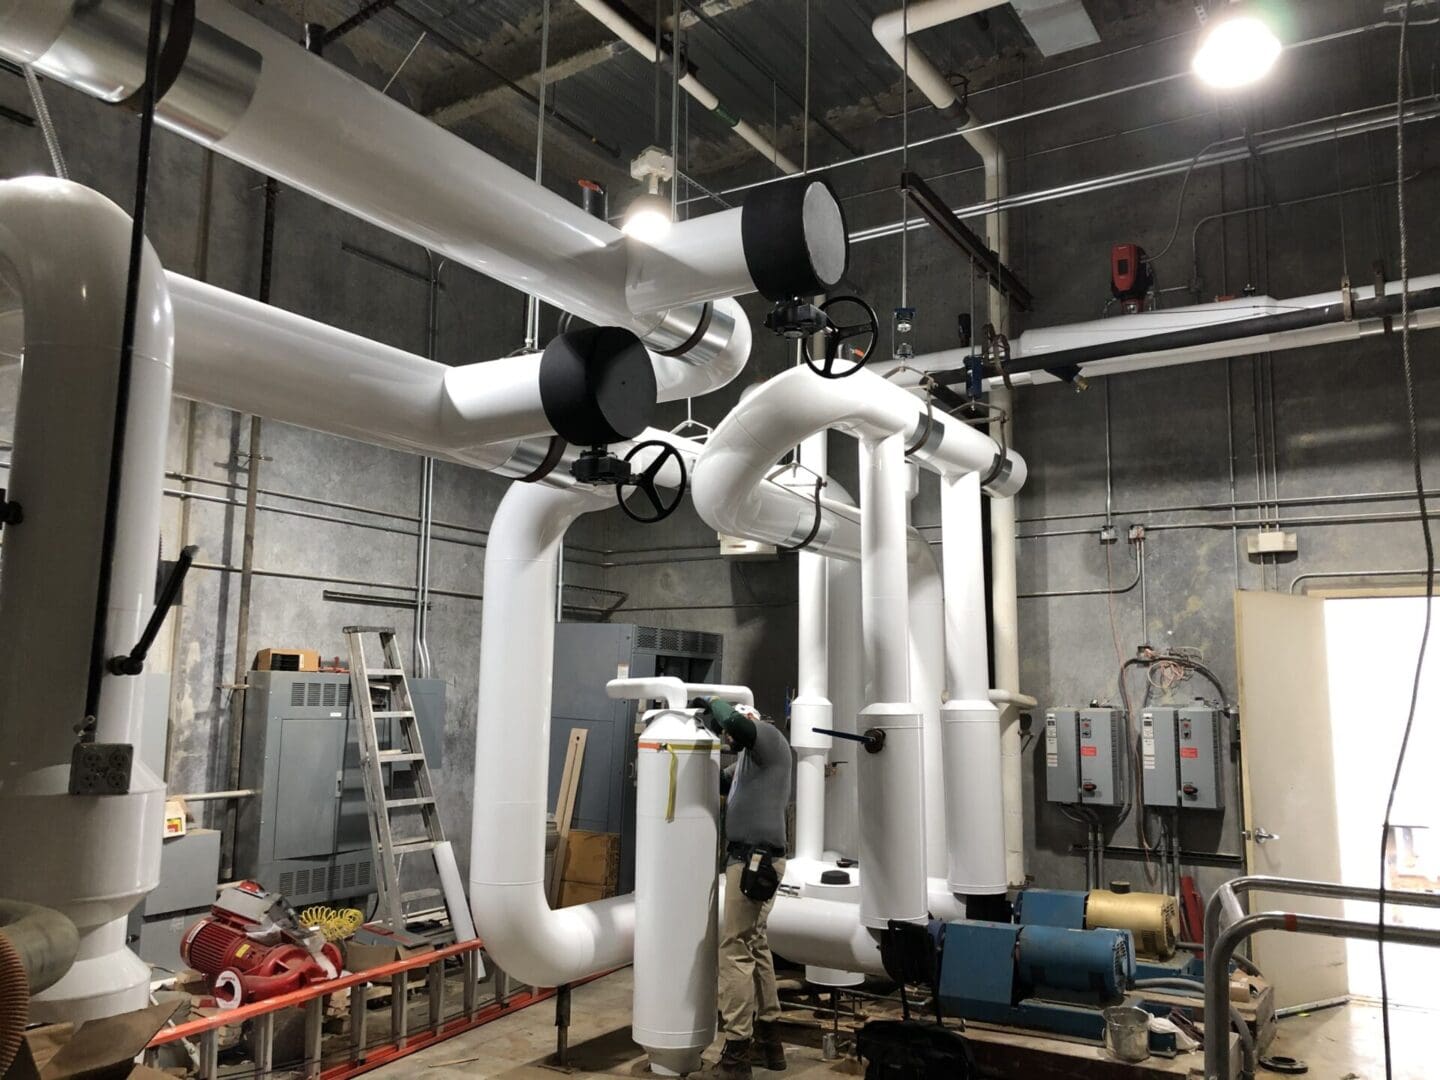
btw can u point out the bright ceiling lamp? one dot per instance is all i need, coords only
(1236, 51)
(649, 218)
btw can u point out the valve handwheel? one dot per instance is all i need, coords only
(844, 324)
(653, 506)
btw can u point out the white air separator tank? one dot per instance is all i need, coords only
(676, 816)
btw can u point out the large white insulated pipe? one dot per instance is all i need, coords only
(777, 415)
(530, 941)
(927, 678)
(974, 802)
(847, 690)
(238, 353)
(890, 31)
(259, 99)
(677, 815)
(892, 777)
(811, 708)
(65, 250)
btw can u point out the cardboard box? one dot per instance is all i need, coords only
(592, 858)
(102, 1049)
(578, 892)
(375, 946)
(286, 660)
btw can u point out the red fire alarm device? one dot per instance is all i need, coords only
(1130, 277)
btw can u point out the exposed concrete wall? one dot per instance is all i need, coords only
(356, 552)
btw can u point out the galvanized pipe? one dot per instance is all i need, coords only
(1219, 952)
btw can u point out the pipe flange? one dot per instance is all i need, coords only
(597, 385)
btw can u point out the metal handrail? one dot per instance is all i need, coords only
(1220, 945)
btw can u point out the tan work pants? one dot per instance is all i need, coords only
(747, 971)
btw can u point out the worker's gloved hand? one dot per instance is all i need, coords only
(736, 728)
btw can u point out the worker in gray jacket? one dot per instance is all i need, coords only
(757, 790)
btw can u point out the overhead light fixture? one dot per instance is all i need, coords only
(1236, 51)
(649, 218)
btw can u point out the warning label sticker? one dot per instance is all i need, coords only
(1189, 751)
(1089, 751)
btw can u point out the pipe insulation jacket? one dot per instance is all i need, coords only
(237, 353)
(974, 796)
(44, 940)
(65, 250)
(774, 417)
(927, 683)
(251, 95)
(528, 939)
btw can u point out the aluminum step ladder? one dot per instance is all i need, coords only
(383, 694)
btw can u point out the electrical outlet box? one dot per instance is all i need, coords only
(1085, 757)
(1181, 757)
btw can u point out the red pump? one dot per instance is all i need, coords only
(252, 947)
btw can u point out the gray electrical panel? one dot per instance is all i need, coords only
(587, 656)
(1085, 757)
(305, 834)
(1181, 756)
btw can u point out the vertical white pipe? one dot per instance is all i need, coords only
(65, 250)
(892, 780)
(847, 684)
(811, 708)
(927, 682)
(527, 939)
(884, 582)
(1004, 601)
(974, 806)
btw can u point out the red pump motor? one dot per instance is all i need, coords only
(252, 947)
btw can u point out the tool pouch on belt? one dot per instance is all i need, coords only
(758, 881)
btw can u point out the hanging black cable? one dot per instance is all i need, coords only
(122, 386)
(1415, 461)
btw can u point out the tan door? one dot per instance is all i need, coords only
(1289, 779)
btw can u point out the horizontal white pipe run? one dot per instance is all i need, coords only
(1046, 340)
(777, 415)
(674, 692)
(823, 933)
(264, 101)
(622, 28)
(237, 353)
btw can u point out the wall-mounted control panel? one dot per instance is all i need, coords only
(1085, 757)
(1181, 755)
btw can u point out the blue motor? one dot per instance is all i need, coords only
(1097, 965)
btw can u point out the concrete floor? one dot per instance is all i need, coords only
(1338, 1044)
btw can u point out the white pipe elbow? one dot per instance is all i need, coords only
(550, 947)
(662, 687)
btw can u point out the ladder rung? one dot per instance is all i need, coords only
(384, 673)
(408, 847)
(400, 804)
(419, 894)
(395, 713)
(387, 757)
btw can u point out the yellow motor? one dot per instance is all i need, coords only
(1153, 919)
